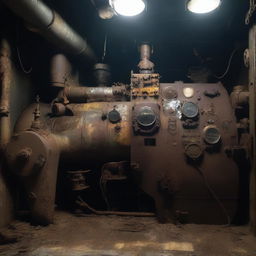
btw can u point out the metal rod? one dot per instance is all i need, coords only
(76, 94)
(84, 205)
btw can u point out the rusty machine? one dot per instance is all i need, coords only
(177, 144)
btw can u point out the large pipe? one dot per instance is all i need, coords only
(75, 94)
(50, 24)
(102, 75)
(145, 65)
(61, 72)
(5, 77)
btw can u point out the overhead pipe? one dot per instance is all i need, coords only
(50, 25)
(62, 73)
(102, 74)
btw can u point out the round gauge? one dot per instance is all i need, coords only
(193, 151)
(169, 93)
(190, 110)
(212, 134)
(146, 117)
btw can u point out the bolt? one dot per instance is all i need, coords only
(247, 58)
(41, 160)
(24, 155)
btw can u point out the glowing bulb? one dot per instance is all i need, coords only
(128, 7)
(203, 6)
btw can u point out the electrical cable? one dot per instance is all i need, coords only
(214, 195)
(21, 64)
(229, 64)
(105, 48)
(18, 52)
(103, 191)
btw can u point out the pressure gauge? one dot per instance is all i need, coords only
(190, 110)
(146, 117)
(212, 134)
(193, 151)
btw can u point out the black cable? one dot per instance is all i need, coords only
(21, 64)
(103, 189)
(228, 67)
(18, 52)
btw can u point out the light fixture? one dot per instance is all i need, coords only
(128, 7)
(203, 6)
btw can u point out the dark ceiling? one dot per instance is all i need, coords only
(173, 31)
(180, 39)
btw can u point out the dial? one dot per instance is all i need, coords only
(212, 134)
(190, 110)
(193, 151)
(146, 117)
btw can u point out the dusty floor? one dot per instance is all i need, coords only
(114, 236)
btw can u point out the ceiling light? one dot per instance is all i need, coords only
(128, 7)
(203, 6)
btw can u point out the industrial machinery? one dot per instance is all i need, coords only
(173, 144)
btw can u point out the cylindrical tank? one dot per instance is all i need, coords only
(179, 143)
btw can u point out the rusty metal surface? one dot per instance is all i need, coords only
(145, 80)
(179, 142)
(145, 65)
(90, 135)
(60, 71)
(134, 214)
(239, 96)
(93, 94)
(5, 83)
(35, 156)
(77, 180)
(179, 152)
(102, 74)
(169, 166)
(62, 35)
(26, 118)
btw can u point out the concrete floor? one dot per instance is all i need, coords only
(114, 236)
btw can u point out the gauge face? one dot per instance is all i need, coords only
(193, 151)
(169, 93)
(212, 134)
(146, 117)
(190, 110)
